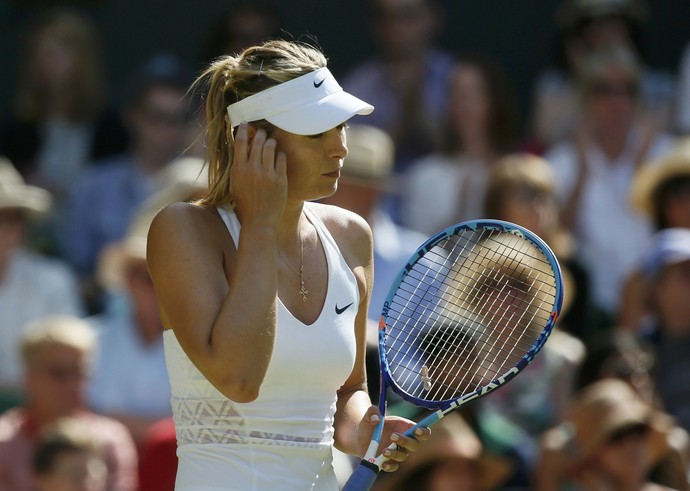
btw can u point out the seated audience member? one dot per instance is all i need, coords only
(446, 187)
(31, 286)
(595, 169)
(586, 26)
(61, 120)
(452, 458)
(521, 188)
(68, 458)
(104, 199)
(668, 270)
(129, 380)
(407, 80)
(660, 192)
(56, 352)
(611, 440)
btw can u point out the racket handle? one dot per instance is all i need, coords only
(362, 479)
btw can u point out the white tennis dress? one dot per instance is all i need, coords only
(283, 439)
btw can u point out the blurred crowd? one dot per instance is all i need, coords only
(600, 169)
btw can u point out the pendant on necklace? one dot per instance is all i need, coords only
(302, 290)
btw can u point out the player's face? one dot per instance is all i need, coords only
(313, 161)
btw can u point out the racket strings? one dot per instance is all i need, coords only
(467, 312)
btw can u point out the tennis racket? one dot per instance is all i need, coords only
(466, 314)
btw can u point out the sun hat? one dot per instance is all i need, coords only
(452, 439)
(648, 179)
(602, 410)
(181, 180)
(307, 105)
(16, 194)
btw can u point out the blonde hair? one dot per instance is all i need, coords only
(87, 86)
(232, 78)
(54, 330)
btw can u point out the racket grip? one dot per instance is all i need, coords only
(362, 479)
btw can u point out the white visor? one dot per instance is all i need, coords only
(306, 105)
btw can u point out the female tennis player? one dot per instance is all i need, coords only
(265, 292)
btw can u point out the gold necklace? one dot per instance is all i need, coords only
(302, 290)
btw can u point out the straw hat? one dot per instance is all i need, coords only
(181, 180)
(451, 439)
(648, 179)
(16, 194)
(370, 156)
(602, 409)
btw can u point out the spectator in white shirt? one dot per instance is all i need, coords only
(31, 286)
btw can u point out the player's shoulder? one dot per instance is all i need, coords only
(183, 216)
(341, 222)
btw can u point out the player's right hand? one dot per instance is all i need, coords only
(258, 178)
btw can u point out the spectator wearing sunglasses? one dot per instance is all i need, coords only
(595, 168)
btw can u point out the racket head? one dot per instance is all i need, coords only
(470, 310)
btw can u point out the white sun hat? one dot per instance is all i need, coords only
(307, 105)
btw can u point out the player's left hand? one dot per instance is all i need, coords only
(394, 428)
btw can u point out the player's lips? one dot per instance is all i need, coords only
(335, 174)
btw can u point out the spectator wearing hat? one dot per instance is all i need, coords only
(611, 440)
(660, 192)
(596, 167)
(585, 26)
(56, 353)
(130, 380)
(31, 286)
(452, 458)
(103, 201)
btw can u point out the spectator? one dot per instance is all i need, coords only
(660, 192)
(481, 125)
(67, 458)
(104, 199)
(586, 26)
(130, 381)
(619, 355)
(31, 286)
(452, 458)
(56, 352)
(521, 188)
(61, 116)
(407, 81)
(668, 269)
(611, 440)
(595, 169)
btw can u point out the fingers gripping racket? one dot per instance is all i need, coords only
(466, 314)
